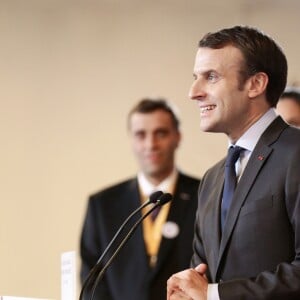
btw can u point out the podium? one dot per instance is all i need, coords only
(68, 276)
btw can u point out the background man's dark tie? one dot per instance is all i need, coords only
(230, 181)
(155, 213)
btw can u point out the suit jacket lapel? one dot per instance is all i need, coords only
(248, 178)
(176, 215)
(257, 160)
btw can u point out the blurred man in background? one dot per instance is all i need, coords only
(163, 245)
(288, 106)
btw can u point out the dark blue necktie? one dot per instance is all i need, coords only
(230, 181)
(155, 213)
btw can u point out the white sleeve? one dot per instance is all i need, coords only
(212, 292)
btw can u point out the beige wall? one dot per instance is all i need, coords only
(69, 73)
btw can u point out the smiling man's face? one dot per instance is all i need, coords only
(223, 101)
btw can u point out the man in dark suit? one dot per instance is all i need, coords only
(247, 239)
(288, 106)
(160, 246)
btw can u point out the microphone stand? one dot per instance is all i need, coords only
(161, 201)
(152, 199)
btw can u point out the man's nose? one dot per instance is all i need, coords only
(196, 91)
(150, 141)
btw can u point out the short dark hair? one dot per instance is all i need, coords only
(261, 54)
(149, 105)
(291, 93)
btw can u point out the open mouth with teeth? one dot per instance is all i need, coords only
(207, 108)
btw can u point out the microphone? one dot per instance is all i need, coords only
(163, 199)
(153, 198)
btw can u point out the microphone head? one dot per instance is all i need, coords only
(163, 199)
(153, 198)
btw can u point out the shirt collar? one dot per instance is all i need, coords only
(147, 188)
(250, 138)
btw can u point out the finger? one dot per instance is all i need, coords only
(201, 269)
(172, 286)
(179, 295)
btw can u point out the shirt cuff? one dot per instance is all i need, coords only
(212, 292)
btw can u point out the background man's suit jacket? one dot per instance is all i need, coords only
(130, 277)
(258, 256)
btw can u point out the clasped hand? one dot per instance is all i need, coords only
(190, 284)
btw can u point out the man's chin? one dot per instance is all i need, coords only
(208, 127)
(205, 128)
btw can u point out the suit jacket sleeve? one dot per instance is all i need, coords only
(198, 250)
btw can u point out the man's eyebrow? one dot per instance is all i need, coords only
(204, 72)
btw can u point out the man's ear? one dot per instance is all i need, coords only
(257, 84)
